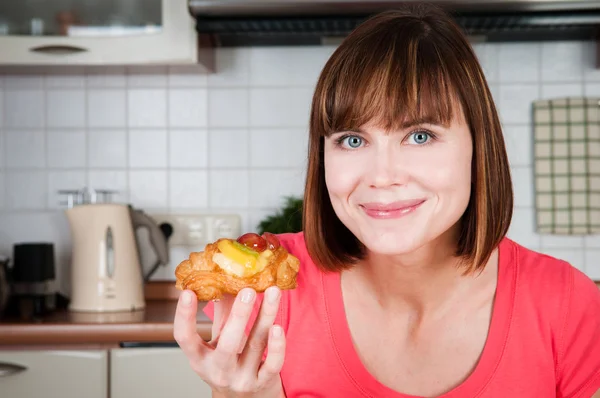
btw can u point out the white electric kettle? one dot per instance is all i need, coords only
(106, 274)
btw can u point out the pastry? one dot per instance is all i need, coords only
(227, 266)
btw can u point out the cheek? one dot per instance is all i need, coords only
(449, 170)
(341, 176)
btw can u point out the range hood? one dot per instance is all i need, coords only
(228, 23)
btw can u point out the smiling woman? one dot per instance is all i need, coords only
(408, 286)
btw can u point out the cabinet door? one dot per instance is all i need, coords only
(65, 374)
(154, 373)
(97, 32)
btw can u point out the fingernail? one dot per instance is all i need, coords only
(247, 295)
(272, 294)
(186, 298)
(277, 331)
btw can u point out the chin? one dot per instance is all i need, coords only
(392, 243)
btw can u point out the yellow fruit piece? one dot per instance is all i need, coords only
(234, 253)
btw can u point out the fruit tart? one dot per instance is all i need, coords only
(227, 266)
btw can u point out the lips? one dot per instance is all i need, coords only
(391, 210)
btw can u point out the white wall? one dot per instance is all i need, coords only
(172, 141)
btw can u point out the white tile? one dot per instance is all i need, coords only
(519, 145)
(561, 242)
(147, 108)
(65, 108)
(280, 107)
(188, 189)
(523, 186)
(24, 108)
(147, 148)
(592, 89)
(591, 71)
(188, 108)
(25, 190)
(107, 148)
(188, 148)
(522, 228)
(487, 54)
(278, 148)
(1, 190)
(231, 67)
(23, 81)
(25, 149)
(550, 91)
(516, 101)
(228, 188)
(186, 76)
(562, 61)
(592, 264)
(148, 189)
(147, 76)
(573, 256)
(66, 80)
(1, 107)
(115, 180)
(67, 180)
(281, 66)
(519, 62)
(257, 216)
(104, 77)
(66, 149)
(228, 107)
(228, 148)
(592, 241)
(268, 188)
(106, 108)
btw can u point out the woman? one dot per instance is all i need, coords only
(408, 286)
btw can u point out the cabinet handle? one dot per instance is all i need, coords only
(8, 369)
(58, 49)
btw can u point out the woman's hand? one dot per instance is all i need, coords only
(231, 365)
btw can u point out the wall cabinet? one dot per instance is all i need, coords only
(97, 32)
(116, 373)
(65, 374)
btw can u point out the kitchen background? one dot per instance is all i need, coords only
(173, 140)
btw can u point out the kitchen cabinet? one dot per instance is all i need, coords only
(154, 373)
(65, 374)
(97, 32)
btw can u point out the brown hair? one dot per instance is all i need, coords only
(407, 66)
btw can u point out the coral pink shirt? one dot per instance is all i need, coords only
(544, 338)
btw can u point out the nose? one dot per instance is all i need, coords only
(388, 168)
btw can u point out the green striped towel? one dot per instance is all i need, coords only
(567, 165)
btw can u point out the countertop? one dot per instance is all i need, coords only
(153, 324)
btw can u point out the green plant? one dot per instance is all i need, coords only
(287, 219)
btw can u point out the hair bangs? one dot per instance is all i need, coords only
(412, 84)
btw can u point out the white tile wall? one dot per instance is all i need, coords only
(172, 140)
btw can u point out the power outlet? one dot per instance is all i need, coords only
(189, 230)
(224, 226)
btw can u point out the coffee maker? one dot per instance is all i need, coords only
(106, 273)
(33, 277)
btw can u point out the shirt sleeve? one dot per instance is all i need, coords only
(578, 360)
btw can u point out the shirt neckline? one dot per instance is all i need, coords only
(490, 358)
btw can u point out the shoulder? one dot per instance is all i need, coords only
(562, 294)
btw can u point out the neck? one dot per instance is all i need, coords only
(427, 280)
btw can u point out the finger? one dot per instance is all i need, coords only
(226, 352)
(272, 365)
(257, 341)
(184, 327)
(222, 308)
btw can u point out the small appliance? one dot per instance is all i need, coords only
(106, 273)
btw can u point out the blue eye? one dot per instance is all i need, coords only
(351, 141)
(420, 137)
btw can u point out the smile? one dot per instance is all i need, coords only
(391, 210)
